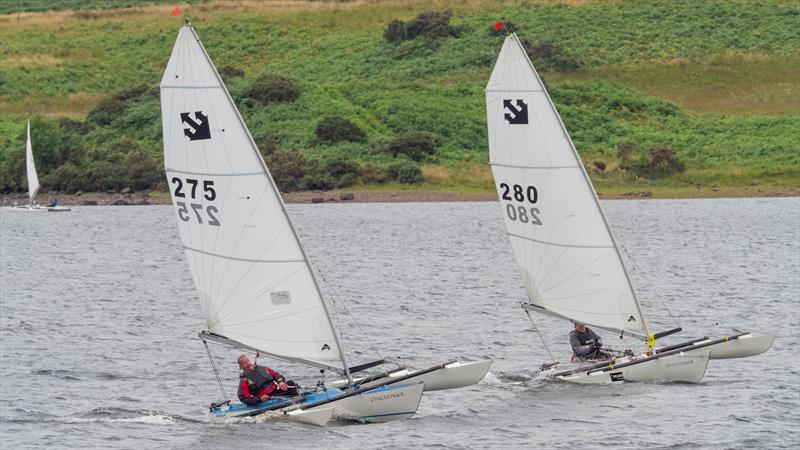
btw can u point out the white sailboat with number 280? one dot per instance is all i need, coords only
(256, 286)
(569, 259)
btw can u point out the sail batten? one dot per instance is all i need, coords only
(256, 286)
(561, 240)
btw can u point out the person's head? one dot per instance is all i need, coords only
(245, 363)
(580, 327)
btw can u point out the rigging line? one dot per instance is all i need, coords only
(343, 305)
(216, 372)
(648, 283)
(536, 329)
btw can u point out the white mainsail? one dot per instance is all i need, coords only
(256, 286)
(33, 179)
(569, 260)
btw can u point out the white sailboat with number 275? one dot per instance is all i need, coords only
(570, 262)
(256, 286)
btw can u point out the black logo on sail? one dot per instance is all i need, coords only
(325, 347)
(198, 129)
(518, 114)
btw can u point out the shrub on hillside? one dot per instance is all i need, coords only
(67, 178)
(627, 155)
(405, 171)
(372, 174)
(141, 170)
(272, 88)
(343, 172)
(430, 24)
(230, 72)
(337, 129)
(547, 56)
(288, 169)
(599, 165)
(106, 111)
(660, 162)
(415, 145)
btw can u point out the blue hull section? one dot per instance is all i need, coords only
(242, 410)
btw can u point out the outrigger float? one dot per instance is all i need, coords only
(570, 262)
(257, 289)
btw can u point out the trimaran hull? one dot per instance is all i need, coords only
(452, 376)
(381, 404)
(684, 362)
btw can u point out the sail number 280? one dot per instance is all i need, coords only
(521, 194)
(208, 194)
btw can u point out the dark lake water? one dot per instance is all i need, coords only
(99, 321)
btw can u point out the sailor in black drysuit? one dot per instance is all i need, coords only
(586, 344)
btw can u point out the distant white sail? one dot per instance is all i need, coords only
(255, 284)
(570, 263)
(33, 180)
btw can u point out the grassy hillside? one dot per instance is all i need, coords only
(714, 82)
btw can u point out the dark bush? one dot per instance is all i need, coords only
(430, 24)
(415, 145)
(405, 171)
(288, 169)
(599, 165)
(272, 88)
(374, 174)
(106, 111)
(268, 146)
(395, 31)
(547, 56)
(66, 178)
(660, 162)
(317, 177)
(141, 170)
(337, 129)
(344, 173)
(230, 72)
(134, 92)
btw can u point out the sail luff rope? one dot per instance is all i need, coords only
(216, 372)
(536, 329)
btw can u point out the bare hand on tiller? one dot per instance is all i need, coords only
(282, 386)
(264, 398)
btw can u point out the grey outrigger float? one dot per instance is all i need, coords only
(256, 286)
(570, 262)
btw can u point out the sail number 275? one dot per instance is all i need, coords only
(209, 194)
(525, 195)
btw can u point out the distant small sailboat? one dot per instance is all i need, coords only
(570, 262)
(33, 181)
(256, 285)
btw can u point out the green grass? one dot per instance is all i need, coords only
(681, 74)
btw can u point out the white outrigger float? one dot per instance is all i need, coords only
(33, 181)
(256, 285)
(570, 262)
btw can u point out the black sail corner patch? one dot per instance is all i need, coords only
(517, 112)
(198, 127)
(325, 347)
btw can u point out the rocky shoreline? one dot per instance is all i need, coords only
(127, 197)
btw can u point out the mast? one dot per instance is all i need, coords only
(283, 208)
(594, 195)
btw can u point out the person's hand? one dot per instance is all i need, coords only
(282, 386)
(264, 398)
(598, 345)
